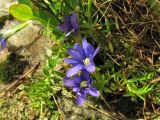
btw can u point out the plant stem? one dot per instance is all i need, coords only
(89, 9)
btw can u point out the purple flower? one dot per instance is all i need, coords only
(70, 24)
(81, 58)
(82, 85)
(2, 43)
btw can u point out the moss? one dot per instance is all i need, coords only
(11, 67)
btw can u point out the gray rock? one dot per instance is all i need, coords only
(4, 6)
(37, 51)
(24, 37)
(73, 112)
(28, 42)
(8, 24)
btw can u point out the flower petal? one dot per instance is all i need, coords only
(1, 39)
(72, 61)
(93, 92)
(3, 43)
(79, 48)
(72, 82)
(90, 68)
(74, 70)
(77, 79)
(95, 52)
(76, 89)
(75, 54)
(88, 48)
(66, 26)
(80, 100)
(69, 82)
(85, 75)
(63, 27)
(74, 22)
(81, 96)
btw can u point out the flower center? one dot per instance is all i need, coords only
(83, 84)
(86, 61)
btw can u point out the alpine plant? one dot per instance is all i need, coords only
(78, 77)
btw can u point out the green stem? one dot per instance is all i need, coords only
(15, 29)
(41, 112)
(50, 10)
(89, 9)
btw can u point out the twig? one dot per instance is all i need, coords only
(144, 107)
(62, 116)
(101, 111)
(155, 80)
(113, 59)
(107, 104)
(107, 114)
(22, 77)
(98, 7)
(157, 43)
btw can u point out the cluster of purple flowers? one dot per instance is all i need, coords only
(78, 77)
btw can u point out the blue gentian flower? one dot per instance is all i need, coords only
(70, 24)
(81, 58)
(2, 43)
(82, 85)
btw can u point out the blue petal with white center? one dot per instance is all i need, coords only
(81, 58)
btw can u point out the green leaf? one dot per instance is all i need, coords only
(89, 9)
(44, 16)
(55, 7)
(21, 12)
(47, 29)
(46, 72)
(26, 2)
(15, 29)
(145, 77)
(133, 90)
(110, 46)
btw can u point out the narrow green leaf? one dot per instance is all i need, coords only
(21, 12)
(44, 16)
(15, 29)
(47, 29)
(110, 46)
(89, 8)
(46, 72)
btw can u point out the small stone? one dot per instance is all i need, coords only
(3, 55)
(24, 37)
(4, 6)
(68, 103)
